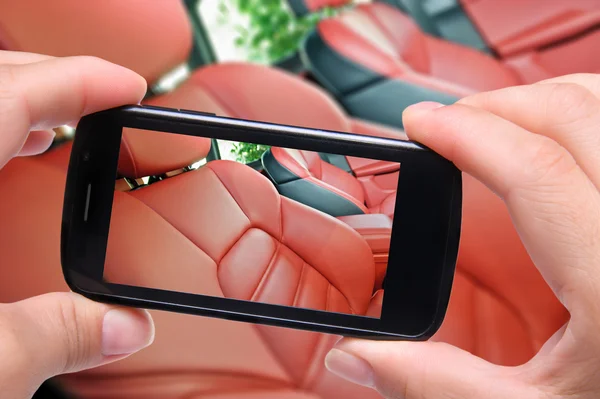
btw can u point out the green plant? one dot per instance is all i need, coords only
(273, 31)
(248, 152)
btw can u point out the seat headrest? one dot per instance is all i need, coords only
(149, 153)
(303, 7)
(261, 93)
(149, 37)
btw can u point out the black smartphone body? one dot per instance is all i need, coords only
(272, 242)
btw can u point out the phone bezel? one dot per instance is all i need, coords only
(426, 223)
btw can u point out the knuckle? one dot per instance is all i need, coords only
(7, 81)
(393, 389)
(411, 385)
(87, 59)
(571, 102)
(7, 92)
(11, 340)
(69, 321)
(8, 335)
(548, 161)
(12, 102)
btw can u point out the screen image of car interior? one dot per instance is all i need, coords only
(322, 245)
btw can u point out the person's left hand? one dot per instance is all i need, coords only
(61, 332)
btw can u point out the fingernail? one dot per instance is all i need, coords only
(423, 106)
(125, 331)
(350, 367)
(37, 142)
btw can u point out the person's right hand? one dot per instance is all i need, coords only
(538, 148)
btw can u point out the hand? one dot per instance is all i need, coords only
(538, 148)
(63, 332)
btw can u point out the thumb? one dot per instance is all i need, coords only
(64, 332)
(423, 370)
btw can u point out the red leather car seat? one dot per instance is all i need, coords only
(307, 178)
(377, 61)
(249, 243)
(500, 308)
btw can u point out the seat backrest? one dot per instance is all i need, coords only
(305, 177)
(375, 52)
(388, 42)
(310, 164)
(250, 243)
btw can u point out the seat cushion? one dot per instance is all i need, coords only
(388, 43)
(386, 206)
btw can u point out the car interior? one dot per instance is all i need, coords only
(178, 201)
(374, 58)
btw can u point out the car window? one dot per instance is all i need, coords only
(255, 30)
(241, 152)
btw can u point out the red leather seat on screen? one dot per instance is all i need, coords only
(249, 243)
(326, 187)
(377, 61)
(500, 309)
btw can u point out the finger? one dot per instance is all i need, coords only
(61, 333)
(553, 204)
(20, 57)
(590, 81)
(423, 370)
(47, 94)
(60, 90)
(566, 112)
(37, 142)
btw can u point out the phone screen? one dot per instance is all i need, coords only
(251, 222)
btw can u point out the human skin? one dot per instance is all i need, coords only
(60, 332)
(538, 148)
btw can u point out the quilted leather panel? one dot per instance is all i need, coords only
(241, 271)
(199, 210)
(281, 280)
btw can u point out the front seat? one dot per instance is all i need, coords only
(501, 309)
(377, 61)
(246, 241)
(306, 177)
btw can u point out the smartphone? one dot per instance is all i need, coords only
(319, 230)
